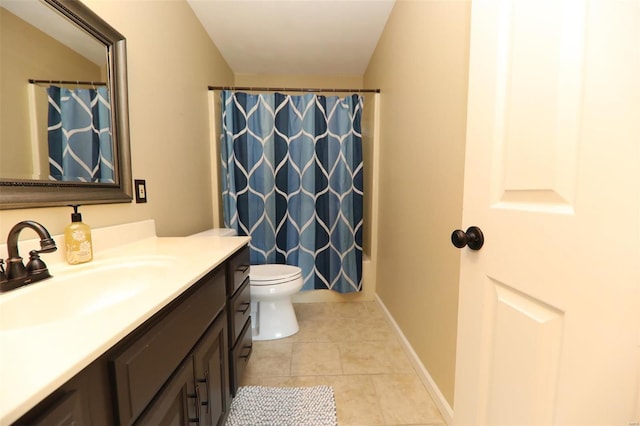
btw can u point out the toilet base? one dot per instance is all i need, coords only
(273, 319)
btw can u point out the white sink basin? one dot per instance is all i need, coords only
(88, 288)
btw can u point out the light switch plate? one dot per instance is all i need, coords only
(141, 190)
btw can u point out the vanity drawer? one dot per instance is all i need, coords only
(239, 311)
(240, 357)
(142, 367)
(238, 270)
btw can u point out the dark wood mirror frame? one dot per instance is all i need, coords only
(16, 194)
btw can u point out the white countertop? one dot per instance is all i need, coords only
(38, 358)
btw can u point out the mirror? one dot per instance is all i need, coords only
(51, 47)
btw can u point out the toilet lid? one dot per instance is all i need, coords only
(273, 274)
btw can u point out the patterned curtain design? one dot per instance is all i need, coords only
(292, 180)
(79, 134)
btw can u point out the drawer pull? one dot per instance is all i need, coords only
(195, 396)
(206, 388)
(250, 347)
(246, 305)
(243, 268)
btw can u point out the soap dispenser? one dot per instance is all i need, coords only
(77, 237)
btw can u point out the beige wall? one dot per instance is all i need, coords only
(28, 53)
(171, 61)
(420, 65)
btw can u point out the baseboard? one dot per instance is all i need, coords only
(423, 374)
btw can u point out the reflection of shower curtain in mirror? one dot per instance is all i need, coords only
(80, 147)
(292, 180)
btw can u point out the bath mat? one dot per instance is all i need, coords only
(301, 406)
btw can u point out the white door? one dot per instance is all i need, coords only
(548, 316)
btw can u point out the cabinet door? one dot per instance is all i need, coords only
(175, 404)
(240, 356)
(211, 374)
(84, 400)
(68, 410)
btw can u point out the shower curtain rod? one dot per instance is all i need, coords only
(77, 82)
(293, 89)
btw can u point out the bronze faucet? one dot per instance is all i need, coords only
(17, 274)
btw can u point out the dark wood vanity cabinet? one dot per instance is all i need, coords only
(141, 366)
(239, 313)
(175, 369)
(83, 400)
(197, 392)
(67, 408)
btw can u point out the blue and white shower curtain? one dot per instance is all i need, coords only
(79, 134)
(292, 179)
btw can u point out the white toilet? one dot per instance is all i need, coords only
(272, 285)
(272, 314)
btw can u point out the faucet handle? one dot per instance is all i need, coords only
(15, 268)
(35, 264)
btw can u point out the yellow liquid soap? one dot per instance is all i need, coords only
(77, 237)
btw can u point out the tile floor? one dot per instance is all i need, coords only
(351, 347)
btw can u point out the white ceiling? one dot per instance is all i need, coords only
(316, 37)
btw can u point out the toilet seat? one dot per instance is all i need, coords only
(262, 275)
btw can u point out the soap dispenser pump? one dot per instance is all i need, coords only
(77, 237)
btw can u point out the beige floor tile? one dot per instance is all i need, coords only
(312, 311)
(351, 347)
(404, 400)
(401, 362)
(313, 359)
(365, 358)
(289, 381)
(356, 401)
(248, 380)
(311, 331)
(355, 310)
(373, 310)
(339, 329)
(272, 358)
(375, 329)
